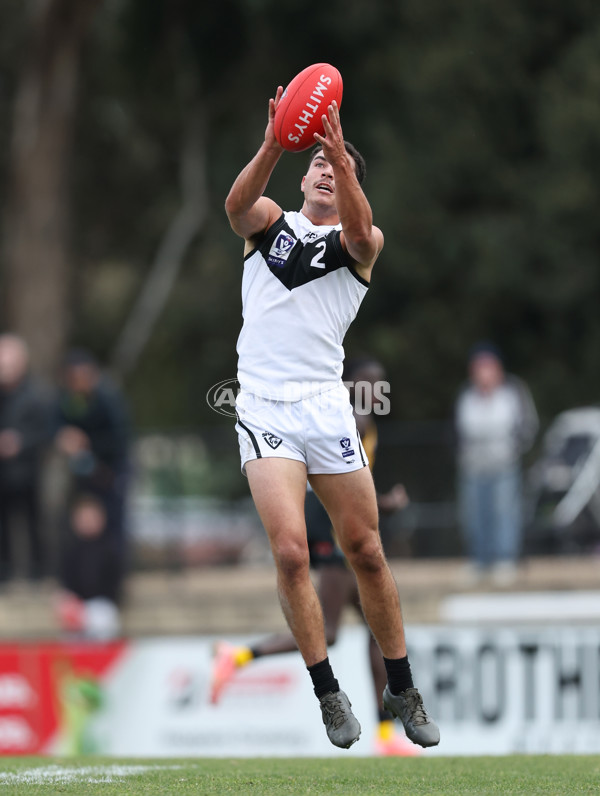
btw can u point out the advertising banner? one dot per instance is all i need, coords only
(492, 690)
(49, 693)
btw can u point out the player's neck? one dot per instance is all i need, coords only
(320, 215)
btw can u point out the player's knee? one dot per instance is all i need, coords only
(366, 556)
(291, 559)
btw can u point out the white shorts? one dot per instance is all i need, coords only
(319, 431)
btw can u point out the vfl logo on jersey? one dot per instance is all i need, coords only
(280, 250)
(346, 446)
(271, 439)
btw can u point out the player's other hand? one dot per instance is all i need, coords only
(333, 144)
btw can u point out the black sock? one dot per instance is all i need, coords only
(384, 715)
(398, 673)
(256, 653)
(322, 678)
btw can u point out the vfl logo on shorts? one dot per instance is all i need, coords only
(280, 250)
(346, 446)
(271, 439)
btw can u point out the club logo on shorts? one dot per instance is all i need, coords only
(271, 439)
(280, 250)
(346, 446)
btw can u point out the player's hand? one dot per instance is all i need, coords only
(270, 139)
(333, 144)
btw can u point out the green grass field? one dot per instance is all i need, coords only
(558, 775)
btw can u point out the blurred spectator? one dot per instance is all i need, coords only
(90, 573)
(24, 430)
(93, 433)
(496, 423)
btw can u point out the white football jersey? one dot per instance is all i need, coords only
(300, 293)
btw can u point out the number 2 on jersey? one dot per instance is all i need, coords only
(317, 260)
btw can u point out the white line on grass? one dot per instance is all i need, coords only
(65, 775)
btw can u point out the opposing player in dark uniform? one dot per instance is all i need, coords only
(337, 586)
(305, 276)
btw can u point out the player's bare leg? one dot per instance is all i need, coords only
(351, 503)
(278, 488)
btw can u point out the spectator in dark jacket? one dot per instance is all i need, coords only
(24, 431)
(93, 433)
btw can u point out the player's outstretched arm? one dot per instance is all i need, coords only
(360, 237)
(250, 212)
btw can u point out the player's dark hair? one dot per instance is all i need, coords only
(360, 167)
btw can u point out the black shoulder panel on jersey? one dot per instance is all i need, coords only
(296, 262)
(265, 236)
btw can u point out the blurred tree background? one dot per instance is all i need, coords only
(125, 122)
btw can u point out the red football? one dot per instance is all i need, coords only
(303, 103)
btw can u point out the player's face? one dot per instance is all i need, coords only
(318, 184)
